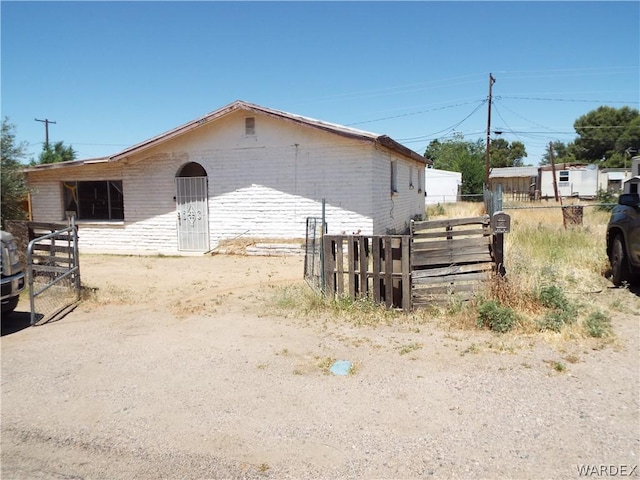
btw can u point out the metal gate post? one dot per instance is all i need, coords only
(322, 279)
(76, 260)
(32, 301)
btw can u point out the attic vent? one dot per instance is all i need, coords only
(250, 126)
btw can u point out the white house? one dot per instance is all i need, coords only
(442, 186)
(612, 179)
(632, 185)
(242, 170)
(572, 181)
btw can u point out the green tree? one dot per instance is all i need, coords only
(605, 134)
(562, 153)
(459, 155)
(629, 141)
(14, 189)
(505, 154)
(58, 153)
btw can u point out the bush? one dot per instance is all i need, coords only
(495, 317)
(606, 200)
(562, 311)
(553, 297)
(597, 325)
(553, 321)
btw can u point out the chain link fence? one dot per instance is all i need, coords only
(53, 273)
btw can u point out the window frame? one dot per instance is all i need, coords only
(249, 126)
(394, 177)
(74, 193)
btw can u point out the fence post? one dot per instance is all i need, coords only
(388, 272)
(322, 275)
(377, 263)
(406, 273)
(363, 250)
(351, 269)
(329, 287)
(76, 253)
(339, 267)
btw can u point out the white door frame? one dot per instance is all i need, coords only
(192, 204)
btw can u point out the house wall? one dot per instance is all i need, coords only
(512, 184)
(393, 211)
(442, 186)
(262, 185)
(613, 181)
(583, 182)
(47, 205)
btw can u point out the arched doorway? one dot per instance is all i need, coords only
(192, 199)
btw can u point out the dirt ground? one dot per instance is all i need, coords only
(183, 368)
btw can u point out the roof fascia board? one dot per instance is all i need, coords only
(69, 164)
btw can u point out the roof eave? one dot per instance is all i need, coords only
(70, 163)
(401, 149)
(340, 130)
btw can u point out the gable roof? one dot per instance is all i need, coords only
(337, 129)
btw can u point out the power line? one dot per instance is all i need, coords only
(566, 100)
(412, 113)
(526, 119)
(509, 129)
(576, 70)
(452, 127)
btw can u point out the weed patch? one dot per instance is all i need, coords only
(493, 316)
(597, 325)
(412, 347)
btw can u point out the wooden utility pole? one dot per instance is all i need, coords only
(553, 170)
(46, 122)
(487, 162)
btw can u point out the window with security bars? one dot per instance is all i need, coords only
(94, 200)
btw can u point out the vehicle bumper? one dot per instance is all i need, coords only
(12, 286)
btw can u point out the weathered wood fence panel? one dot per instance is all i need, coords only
(451, 256)
(439, 259)
(378, 267)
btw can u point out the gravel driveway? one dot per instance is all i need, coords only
(180, 368)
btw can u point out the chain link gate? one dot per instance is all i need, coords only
(53, 273)
(313, 265)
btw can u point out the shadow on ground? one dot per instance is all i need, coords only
(15, 321)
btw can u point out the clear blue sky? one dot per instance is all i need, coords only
(113, 74)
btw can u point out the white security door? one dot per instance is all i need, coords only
(193, 219)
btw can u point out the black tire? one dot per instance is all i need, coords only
(11, 305)
(618, 260)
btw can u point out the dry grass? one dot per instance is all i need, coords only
(238, 246)
(541, 257)
(454, 210)
(541, 254)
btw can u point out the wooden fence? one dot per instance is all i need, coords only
(439, 259)
(452, 256)
(376, 266)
